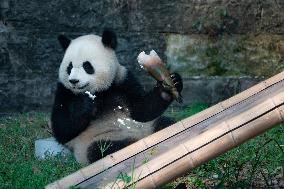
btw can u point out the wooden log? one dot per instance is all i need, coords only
(159, 158)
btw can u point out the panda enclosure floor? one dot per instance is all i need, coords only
(258, 163)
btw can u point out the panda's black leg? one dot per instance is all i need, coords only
(162, 123)
(102, 148)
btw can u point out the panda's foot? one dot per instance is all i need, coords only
(102, 148)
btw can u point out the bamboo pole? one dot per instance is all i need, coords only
(188, 143)
(207, 145)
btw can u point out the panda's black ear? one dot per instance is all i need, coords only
(64, 41)
(109, 39)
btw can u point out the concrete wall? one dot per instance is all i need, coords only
(218, 41)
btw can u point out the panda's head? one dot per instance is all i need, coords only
(90, 63)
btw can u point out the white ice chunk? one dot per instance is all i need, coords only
(90, 95)
(49, 147)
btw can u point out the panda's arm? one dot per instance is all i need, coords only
(71, 114)
(144, 106)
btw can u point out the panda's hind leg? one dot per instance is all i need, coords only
(162, 123)
(102, 148)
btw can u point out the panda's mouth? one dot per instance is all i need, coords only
(83, 86)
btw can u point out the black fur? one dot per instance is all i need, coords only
(143, 106)
(109, 39)
(162, 123)
(71, 114)
(181, 186)
(89, 69)
(95, 152)
(64, 41)
(69, 68)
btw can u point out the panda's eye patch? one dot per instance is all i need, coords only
(88, 67)
(69, 68)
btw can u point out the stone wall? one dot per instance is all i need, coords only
(218, 41)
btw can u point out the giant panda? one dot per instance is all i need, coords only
(120, 114)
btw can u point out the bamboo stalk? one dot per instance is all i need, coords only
(190, 142)
(210, 144)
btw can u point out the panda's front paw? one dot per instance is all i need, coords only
(88, 103)
(177, 80)
(82, 105)
(166, 93)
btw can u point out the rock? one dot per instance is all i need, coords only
(30, 54)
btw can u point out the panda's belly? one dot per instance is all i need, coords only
(112, 126)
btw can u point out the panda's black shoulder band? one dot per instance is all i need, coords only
(109, 38)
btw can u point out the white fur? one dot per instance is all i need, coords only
(120, 75)
(103, 59)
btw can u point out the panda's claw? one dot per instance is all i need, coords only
(177, 80)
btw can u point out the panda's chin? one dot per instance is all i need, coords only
(83, 87)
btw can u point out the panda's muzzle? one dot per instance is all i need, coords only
(75, 83)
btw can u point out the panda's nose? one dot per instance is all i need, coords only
(73, 81)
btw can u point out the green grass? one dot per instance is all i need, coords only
(18, 166)
(255, 163)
